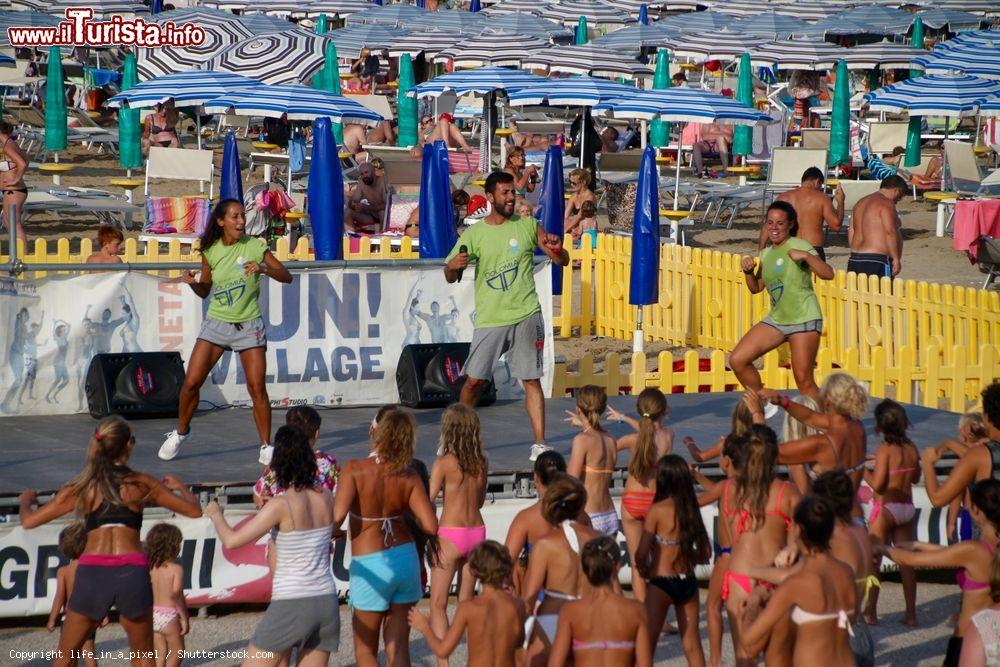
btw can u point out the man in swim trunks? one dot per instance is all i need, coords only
(875, 237)
(813, 208)
(365, 202)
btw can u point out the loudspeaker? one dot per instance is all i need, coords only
(134, 385)
(429, 375)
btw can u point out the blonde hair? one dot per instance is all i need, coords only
(395, 438)
(759, 472)
(742, 419)
(592, 402)
(462, 437)
(516, 150)
(580, 174)
(652, 407)
(793, 429)
(111, 441)
(974, 422)
(845, 395)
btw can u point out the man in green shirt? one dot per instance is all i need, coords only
(508, 313)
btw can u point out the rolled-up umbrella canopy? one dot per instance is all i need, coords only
(912, 156)
(659, 131)
(644, 273)
(221, 30)
(643, 14)
(935, 95)
(156, 6)
(231, 185)
(321, 26)
(55, 104)
(192, 88)
(743, 135)
(325, 194)
(129, 127)
(587, 59)
(552, 205)
(280, 58)
(437, 218)
(475, 6)
(295, 103)
(840, 119)
(580, 36)
(406, 106)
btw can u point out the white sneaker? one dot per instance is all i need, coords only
(770, 409)
(266, 452)
(168, 449)
(537, 449)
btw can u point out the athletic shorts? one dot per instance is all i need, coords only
(307, 623)
(385, 578)
(523, 342)
(788, 330)
(870, 264)
(236, 336)
(98, 588)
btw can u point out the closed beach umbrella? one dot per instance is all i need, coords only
(581, 31)
(917, 40)
(55, 104)
(644, 274)
(840, 119)
(912, 157)
(437, 219)
(659, 131)
(321, 24)
(156, 6)
(231, 186)
(743, 135)
(475, 7)
(552, 205)
(129, 128)
(643, 14)
(406, 106)
(325, 194)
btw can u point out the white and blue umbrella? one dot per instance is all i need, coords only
(737, 8)
(809, 12)
(476, 81)
(428, 42)
(568, 12)
(770, 25)
(981, 37)
(991, 108)
(583, 91)
(192, 88)
(973, 59)
(628, 38)
(294, 102)
(515, 7)
(396, 15)
(528, 24)
(797, 55)
(330, 7)
(952, 19)
(838, 25)
(467, 23)
(25, 18)
(221, 31)
(707, 22)
(102, 8)
(935, 95)
(262, 24)
(280, 58)
(721, 46)
(896, 21)
(351, 40)
(588, 59)
(492, 49)
(886, 55)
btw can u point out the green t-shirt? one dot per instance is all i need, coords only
(505, 266)
(234, 294)
(789, 283)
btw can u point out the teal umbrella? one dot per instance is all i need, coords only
(743, 134)
(321, 24)
(659, 131)
(912, 157)
(328, 79)
(406, 105)
(129, 127)
(581, 31)
(55, 104)
(840, 119)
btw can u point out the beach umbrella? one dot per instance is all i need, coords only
(353, 39)
(587, 59)
(838, 25)
(333, 7)
(552, 205)
(231, 185)
(707, 22)
(221, 31)
(797, 55)
(129, 127)
(467, 23)
(743, 135)
(262, 24)
(528, 24)
(975, 59)
(953, 20)
(912, 156)
(737, 8)
(475, 7)
(935, 95)
(497, 49)
(884, 55)
(659, 131)
(722, 46)
(392, 15)
(522, 7)
(102, 8)
(770, 25)
(186, 89)
(328, 79)
(840, 119)
(321, 24)
(294, 102)
(437, 218)
(627, 39)
(156, 6)
(476, 81)
(55, 104)
(568, 12)
(981, 37)
(429, 42)
(580, 37)
(991, 108)
(571, 92)
(406, 106)
(325, 194)
(643, 14)
(810, 12)
(896, 21)
(644, 272)
(280, 58)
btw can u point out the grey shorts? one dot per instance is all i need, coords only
(307, 623)
(792, 329)
(236, 337)
(524, 343)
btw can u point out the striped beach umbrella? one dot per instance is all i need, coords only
(952, 19)
(736, 8)
(192, 88)
(810, 12)
(991, 108)
(102, 8)
(587, 59)
(983, 37)
(497, 49)
(684, 105)
(294, 101)
(986, 7)
(353, 39)
(467, 23)
(282, 57)
(395, 15)
(896, 21)
(797, 55)
(583, 91)
(568, 12)
(836, 25)
(628, 38)
(30, 5)
(25, 18)
(886, 55)
(722, 46)
(476, 81)
(428, 42)
(935, 95)
(528, 24)
(972, 60)
(262, 24)
(706, 22)
(333, 7)
(770, 25)
(220, 32)
(515, 7)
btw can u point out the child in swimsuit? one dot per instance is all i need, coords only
(674, 540)
(170, 614)
(972, 432)
(593, 458)
(109, 244)
(72, 541)
(896, 470)
(529, 525)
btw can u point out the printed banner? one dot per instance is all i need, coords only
(334, 336)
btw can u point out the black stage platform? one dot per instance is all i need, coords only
(44, 452)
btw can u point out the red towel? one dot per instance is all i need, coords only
(975, 218)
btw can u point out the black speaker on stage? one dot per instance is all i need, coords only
(428, 375)
(134, 385)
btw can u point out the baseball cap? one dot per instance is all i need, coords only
(478, 207)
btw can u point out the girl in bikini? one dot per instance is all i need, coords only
(756, 507)
(649, 445)
(554, 567)
(524, 176)
(579, 192)
(593, 458)
(897, 469)
(818, 597)
(459, 474)
(12, 169)
(604, 628)
(974, 558)
(674, 540)
(170, 613)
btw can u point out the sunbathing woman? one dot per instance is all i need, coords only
(593, 458)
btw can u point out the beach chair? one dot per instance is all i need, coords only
(961, 166)
(239, 124)
(884, 136)
(855, 191)
(787, 166)
(178, 164)
(988, 259)
(813, 137)
(402, 175)
(613, 164)
(921, 169)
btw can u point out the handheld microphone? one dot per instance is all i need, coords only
(464, 250)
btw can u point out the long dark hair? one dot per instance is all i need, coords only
(674, 480)
(213, 232)
(294, 462)
(790, 214)
(758, 473)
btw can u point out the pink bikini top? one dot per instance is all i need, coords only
(968, 584)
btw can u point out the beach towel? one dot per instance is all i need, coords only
(464, 162)
(177, 215)
(296, 152)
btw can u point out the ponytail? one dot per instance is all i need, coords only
(652, 407)
(592, 402)
(110, 442)
(759, 472)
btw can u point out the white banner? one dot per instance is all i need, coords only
(334, 336)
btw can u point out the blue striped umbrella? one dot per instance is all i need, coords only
(295, 102)
(498, 49)
(583, 91)
(11, 18)
(428, 42)
(887, 55)
(192, 88)
(467, 23)
(838, 25)
(770, 25)
(954, 20)
(528, 24)
(987, 37)
(709, 22)
(991, 108)
(221, 30)
(797, 55)
(626, 39)
(894, 20)
(477, 81)
(588, 59)
(935, 95)
(339, 7)
(262, 24)
(568, 12)
(289, 57)
(515, 7)
(351, 40)
(970, 60)
(721, 46)
(395, 15)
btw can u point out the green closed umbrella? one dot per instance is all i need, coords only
(659, 131)
(743, 134)
(840, 119)
(912, 157)
(328, 79)
(321, 24)
(55, 104)
(129, 127)
(406, 106)
(581, 31)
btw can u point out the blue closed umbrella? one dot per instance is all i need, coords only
(552, 205)
(437, 219)
(156, 6)
(475, 6)
(326, 194)
(231, 186)
(645, 271)
(643, 14)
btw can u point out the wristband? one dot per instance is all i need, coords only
(784, 402)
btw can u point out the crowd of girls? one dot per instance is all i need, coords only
(796, 564)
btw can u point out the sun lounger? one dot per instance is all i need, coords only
(966, 178)
(883, 137)
(178, 164)
(788, 165)
(813, 137)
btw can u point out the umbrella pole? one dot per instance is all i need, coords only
(583, 137)
(638, 342)
(674, 224)
(642, 133)
(197, 122)
(979, 123)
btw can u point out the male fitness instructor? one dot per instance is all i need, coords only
(508, 313)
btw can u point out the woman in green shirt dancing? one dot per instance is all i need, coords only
(231, 266)
(786, 268)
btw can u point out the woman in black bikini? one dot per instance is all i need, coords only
(160, 128)
(12, 169)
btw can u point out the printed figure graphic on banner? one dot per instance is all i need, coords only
(60, 336)
(130, 331)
